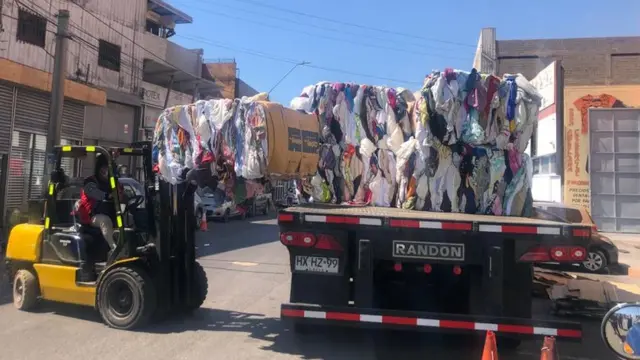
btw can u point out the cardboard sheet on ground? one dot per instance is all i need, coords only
(603, 292)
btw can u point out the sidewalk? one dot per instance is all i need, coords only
(633, 238)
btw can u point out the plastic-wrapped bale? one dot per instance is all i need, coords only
(361, 127)
(470, 127)
(455, 146)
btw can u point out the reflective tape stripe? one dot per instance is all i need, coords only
(435, 323)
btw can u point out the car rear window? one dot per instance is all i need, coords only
(570, 215)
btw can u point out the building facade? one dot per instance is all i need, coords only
(597, 159)
(117, 50)
(225, 72)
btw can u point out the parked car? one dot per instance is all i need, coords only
(259, 204)
(214, 204)
(603, 252)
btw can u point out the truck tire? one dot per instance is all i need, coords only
(200, 288)
(126, 298)
(25, 290)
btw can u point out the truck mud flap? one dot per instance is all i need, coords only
(421, 321)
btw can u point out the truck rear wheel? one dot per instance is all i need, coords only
(126, 298)
(25, 290)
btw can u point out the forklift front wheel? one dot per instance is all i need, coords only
(201, 288)
(25, 290)
(126, 298)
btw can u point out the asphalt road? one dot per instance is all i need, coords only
(248, 279)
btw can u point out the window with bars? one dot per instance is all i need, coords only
(32, 28)
(109, 55)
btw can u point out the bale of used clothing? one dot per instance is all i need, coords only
(457, 145)
(258, 137)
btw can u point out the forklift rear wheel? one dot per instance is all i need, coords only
(25, 290)
(126, 298)
(201, 288)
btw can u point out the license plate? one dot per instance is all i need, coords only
(318, 264)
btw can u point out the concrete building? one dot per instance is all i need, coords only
(593, 89)
(120, 67)
(225, 72)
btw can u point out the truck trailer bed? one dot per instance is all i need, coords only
(388, 267)
(394, 217)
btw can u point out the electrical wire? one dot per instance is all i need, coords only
(345, 23)
(293, 61)
(405, 49)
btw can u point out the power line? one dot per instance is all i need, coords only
(344, 23)
(323, 28)
(343, 40)
(292, 61)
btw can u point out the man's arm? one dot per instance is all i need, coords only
(91, 190)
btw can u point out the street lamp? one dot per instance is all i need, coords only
(302, 63)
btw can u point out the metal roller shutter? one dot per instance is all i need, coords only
(6, 107)
(72, 120)
(32, 111)
(19, 167)
(614, 169)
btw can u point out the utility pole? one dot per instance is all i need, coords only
(57, 93)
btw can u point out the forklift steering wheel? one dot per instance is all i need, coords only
(133, 203)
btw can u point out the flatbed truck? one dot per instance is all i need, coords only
(427, 271)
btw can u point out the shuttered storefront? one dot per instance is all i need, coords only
(6, 108)
(32, 111)
(72, 121)
(29, 141)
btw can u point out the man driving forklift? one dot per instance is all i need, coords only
(151, 270)
(95, 207)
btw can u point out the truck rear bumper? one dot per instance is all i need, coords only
(421, 321)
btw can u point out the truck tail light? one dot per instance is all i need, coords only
(568, 253)
(556, 253)
(427, 269)
(536, 254)
(299, 239)
(309, 240)
(457, 270)
(327, 242)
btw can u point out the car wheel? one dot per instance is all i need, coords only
(198, 218)
(596, 261)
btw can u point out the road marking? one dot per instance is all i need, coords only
(242, 263)
(207, 244)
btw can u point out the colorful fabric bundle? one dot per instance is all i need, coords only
(455, 146)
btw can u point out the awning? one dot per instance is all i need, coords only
(163, 9)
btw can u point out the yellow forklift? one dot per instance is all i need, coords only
(148, 268)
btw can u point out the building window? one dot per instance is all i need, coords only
(544, 165)
(32, 28)
(109, 56)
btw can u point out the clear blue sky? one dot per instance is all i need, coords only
(390, 40)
